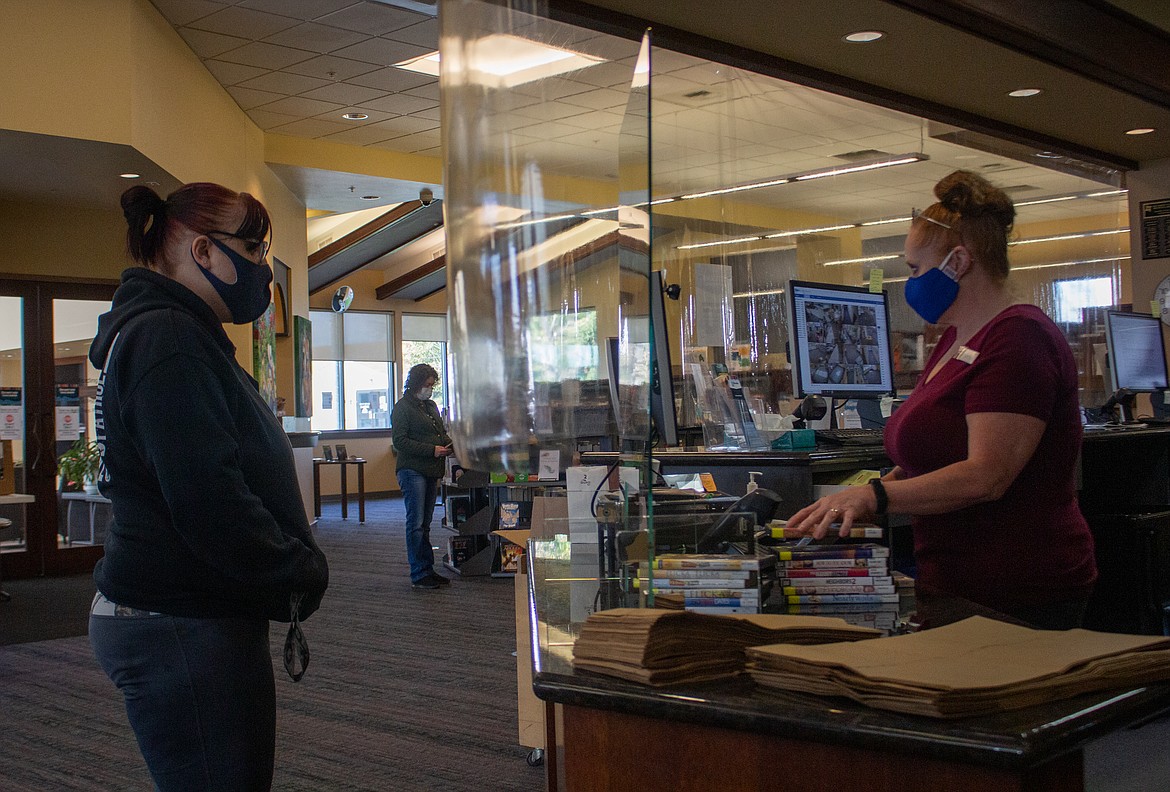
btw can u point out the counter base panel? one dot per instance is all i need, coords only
(607, 750)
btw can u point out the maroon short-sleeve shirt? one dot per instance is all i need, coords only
(1032, 546)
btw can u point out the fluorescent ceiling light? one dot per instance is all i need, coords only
(129, 175)
(761, 293)
(1140, 131)
(1039, 201)
(1084, 235)
(503, 60)
(803, 231)
(739, 188)
(865, 260)
(1021, 93)
(1106, 192)
(906, 160)
(720, 242)
(1073, 263)
(888, 220)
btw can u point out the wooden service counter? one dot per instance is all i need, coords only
(605, 734)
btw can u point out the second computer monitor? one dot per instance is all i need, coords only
(1137, 356)
(840, 341)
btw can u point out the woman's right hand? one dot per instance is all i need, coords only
(442, 451)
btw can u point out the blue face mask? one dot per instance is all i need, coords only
(247, 299)
(934, 291)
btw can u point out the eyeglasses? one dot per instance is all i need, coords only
(251, 246)
(916, 214)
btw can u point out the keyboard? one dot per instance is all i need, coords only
(849, 437)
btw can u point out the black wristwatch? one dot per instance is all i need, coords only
(879, 493)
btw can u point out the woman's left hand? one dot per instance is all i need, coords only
(844, 508)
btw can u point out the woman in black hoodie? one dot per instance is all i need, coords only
(209, 539)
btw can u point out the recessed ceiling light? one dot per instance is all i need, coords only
(1020, 93)
(370, 197)
(1140, 131)
(355, 116)
(863, 36)
(130, 175)
(1048, 155)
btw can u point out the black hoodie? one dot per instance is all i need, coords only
(208, 519)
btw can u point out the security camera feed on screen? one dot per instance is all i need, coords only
(841, 341)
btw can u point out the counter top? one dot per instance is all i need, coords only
(1012, 740)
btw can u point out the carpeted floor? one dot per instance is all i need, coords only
(407, 690)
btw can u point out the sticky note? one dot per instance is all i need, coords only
(876, 277)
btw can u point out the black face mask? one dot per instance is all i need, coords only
(247, 299)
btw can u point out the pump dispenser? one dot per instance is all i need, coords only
(752, 486)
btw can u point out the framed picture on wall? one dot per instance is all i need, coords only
(303, 366)
(281, 298)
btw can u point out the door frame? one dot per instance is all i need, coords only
(43, 555)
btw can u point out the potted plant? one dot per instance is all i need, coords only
(79, 465)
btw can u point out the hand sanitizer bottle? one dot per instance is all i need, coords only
(752, 486)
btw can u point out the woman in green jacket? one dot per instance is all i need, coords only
(421, 444)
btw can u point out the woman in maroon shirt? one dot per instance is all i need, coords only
(987, 444)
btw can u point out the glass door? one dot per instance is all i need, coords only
(47, 387)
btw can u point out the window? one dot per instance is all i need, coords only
(424, 340)
(353, 370)
(1070, 296)
(563, 346)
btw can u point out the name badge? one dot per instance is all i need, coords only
(966, 355)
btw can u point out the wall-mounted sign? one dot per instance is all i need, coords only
(11, 414)
(1156, 229)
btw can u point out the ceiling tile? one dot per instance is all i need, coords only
(404, 125)
(424, 34)
(382, 51)
(300, 9)
(428, 138)
(284, 83)
(265, 56)
(180, 12)
(266, 120)
(296, 105)
(247, 98)
(402, 144)
(311, 128)
(235, 20)
(208, 45)
(431, 114)
(231, 73)
(372, 18)
(391, 79)
(402, 104)
(428, 91)
(344, 93)
(318, 38)
(330, 67)
(360, 136)
(598, 99)
(549, 111)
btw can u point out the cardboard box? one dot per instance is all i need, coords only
(529, 709)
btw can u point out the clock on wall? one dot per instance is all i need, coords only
(1162, 298)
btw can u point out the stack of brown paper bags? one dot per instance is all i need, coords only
(972, 667)
(666, 647)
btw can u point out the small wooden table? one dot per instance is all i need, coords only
(345, 463)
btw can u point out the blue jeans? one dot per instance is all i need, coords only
(418, 494)
(200, 697)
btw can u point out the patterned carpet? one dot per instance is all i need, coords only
(407, 690)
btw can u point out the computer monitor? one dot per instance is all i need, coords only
(839, 341)
(1137, 356)
(661, 377)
